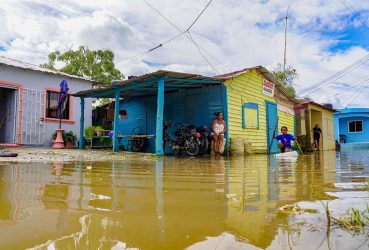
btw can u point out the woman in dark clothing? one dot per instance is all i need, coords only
(317, 134)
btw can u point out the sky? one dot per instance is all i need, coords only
(324, 37)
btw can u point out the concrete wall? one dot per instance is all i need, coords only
(40, 81)
(358, 136)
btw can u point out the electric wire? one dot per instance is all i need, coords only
(358, 93)
(334, 77)
(349, 7)
(199, 16)
(346, 90)
(198, 47)
(203, 56)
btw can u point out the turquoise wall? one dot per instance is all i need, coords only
(195, 106)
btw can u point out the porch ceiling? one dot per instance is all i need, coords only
(146, 85)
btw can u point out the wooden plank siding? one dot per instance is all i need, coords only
(246, 88)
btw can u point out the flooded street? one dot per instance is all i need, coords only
(179, 203)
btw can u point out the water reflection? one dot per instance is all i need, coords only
(171, 203)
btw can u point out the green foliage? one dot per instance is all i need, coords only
(98, 65)
(70, 136)
(90, 131)
(353, 219)
(286, 77)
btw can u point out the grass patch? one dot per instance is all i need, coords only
(353, 219)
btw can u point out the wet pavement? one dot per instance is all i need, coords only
(179, 203)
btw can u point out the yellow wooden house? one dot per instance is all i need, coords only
(308, 114)
(256, 104)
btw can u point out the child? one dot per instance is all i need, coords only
(285, 140)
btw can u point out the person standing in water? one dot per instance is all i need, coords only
(285, 139)
(218, 129)
(317, 134)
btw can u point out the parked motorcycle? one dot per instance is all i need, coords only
(204, 139)
(186, 139)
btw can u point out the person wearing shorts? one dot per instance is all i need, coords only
(285, 139)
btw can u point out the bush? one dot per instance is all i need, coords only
(70, 136)
(90, 131)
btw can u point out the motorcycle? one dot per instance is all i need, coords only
(204, 140)
(186, 139)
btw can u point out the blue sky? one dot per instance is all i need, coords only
(324, 37)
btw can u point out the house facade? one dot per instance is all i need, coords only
(257, 104)
(28, 103)
(308, 114)
(352, 125)
(252, 101)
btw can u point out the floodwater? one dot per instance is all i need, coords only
(182, 203)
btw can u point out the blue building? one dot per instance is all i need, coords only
(352, 125)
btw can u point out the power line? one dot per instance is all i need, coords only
(152, 49)
(336, 76)
(198, 47)
(358, 93)
(199, 16)
(349, 7)
(345, 90)
(203, 56)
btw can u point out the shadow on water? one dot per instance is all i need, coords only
(177, 203)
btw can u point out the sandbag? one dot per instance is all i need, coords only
(237, 146)
(247, 147)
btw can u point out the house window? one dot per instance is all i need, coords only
(355, 126)
(250, 115)
(52, 106)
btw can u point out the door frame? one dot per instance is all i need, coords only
(267, 121)
(18, 122)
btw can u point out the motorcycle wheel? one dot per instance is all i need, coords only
(192, 147)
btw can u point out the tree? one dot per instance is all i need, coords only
(98, 65)
(286, 77)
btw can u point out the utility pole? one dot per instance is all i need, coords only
(285, 40)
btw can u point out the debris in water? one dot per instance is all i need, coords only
(295, 209)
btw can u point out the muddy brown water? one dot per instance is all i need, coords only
(182, 203)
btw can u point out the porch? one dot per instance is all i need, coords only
(149, 100)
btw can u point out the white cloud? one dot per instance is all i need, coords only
(238, 33)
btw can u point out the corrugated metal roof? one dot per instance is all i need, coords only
(267, 74)
(131, 87)
(19, 64)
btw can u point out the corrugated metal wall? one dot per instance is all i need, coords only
(195, 106)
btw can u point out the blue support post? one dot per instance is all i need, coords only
(116, 119)
(82, 124)
(160, 119)
(225, 115)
